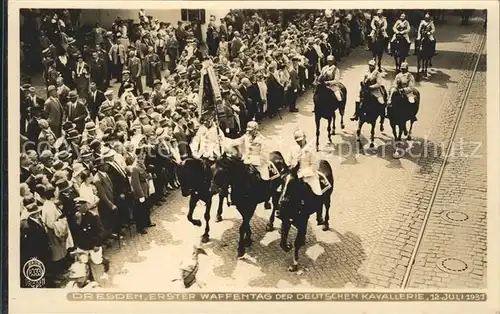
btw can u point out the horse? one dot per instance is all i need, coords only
(377, 47)
(369, 110)
(297, 202)
(400, 48)
(425, 52)
(401, 112)
(247, 191)
(195, 178)
(325, 105)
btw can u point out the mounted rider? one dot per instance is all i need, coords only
(330, 75)
(371, 80)
(379, 22)
(303, 155)
(251, 148)
(401, 27)
(405, 83)
(207, 143)
(427, 27)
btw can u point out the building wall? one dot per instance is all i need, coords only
(107, 17)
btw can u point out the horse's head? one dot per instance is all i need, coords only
(291, 188)
(222, 173)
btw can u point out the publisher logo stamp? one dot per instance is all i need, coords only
(34, 273)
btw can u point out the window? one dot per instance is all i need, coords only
(193, 15)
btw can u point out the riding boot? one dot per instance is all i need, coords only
(356, 111)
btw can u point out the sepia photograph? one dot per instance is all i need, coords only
(233, 148)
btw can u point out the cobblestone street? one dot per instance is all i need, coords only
(378, 203)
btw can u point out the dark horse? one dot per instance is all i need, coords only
(325, 105)
(195, 177)
(247, 191)
(297, 203)
(401, 112)
(425, 52)
(369, 110)
(400, 48)
(378, 46)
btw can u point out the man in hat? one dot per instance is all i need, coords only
(74, 141)
(33, 98)
(236, 45)
(401, 27)
(312, 56)
(181, 35)
(54, 111)
(330, 75)
(107, 208)
(33, 129)
(153, 67)
(159, 48)
(135, 67)
(62, 90)
(34, 242)
(294, 87)
(98, 69)
(127, 83)
(95, 99)
(139, 181)
(207, 143)
(118, 57)
(426, 27)
(77, 111)
(156, 95)
(404, 82)
(371, 80)
(51, 74)
(379, 22)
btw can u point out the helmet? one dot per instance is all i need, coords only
(371, 63)
(379, 11)
(402, 16)
(299, 135)
(404, 65)
(252, 125)
(427, 16)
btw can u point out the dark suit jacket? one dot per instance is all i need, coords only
(139, 182)
(105, 192)
(25, 174)
(54, 113)
(156, 98)
(121, 184)
(294, 79)
(98, 72)
(94, 104)
(34, 242)
(77, 115)
(33, 130)
(89, 233)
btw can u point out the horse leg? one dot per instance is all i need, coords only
(206, 236)
(372, 135)
(193, 200)
(329, 129)
(221, 205)
(394, 131)
(241, 242)
(247, 241)
(318, 122)
(409, 132)
(270, 223)
(341, 112)
(327, 202)
(285, 230)
(358, 133)
(299, 242)
(379, 61)
(382, 118)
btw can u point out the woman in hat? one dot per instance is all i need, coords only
(81, 75)
(65, 66)
(59, 235)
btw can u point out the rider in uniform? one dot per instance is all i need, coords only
(207, 143)
(379, 22)
(401, 27)
(427, 27)
(371, 79)
(330, 74)
(251, 147)
(405, 82)
(303, 155)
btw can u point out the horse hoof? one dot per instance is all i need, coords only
(372, 145)
(241, 253)
(267, 205)
(269, 227)
(205, 238)
(408, 138)
(286, 247)
(247, 242)
(342, 126)
(320, 222)
(381, 128)
(293, 268)
(405, 132)
(218, 219)
(326, 227)
(229, 204)
(196, 222)
(317, 148)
